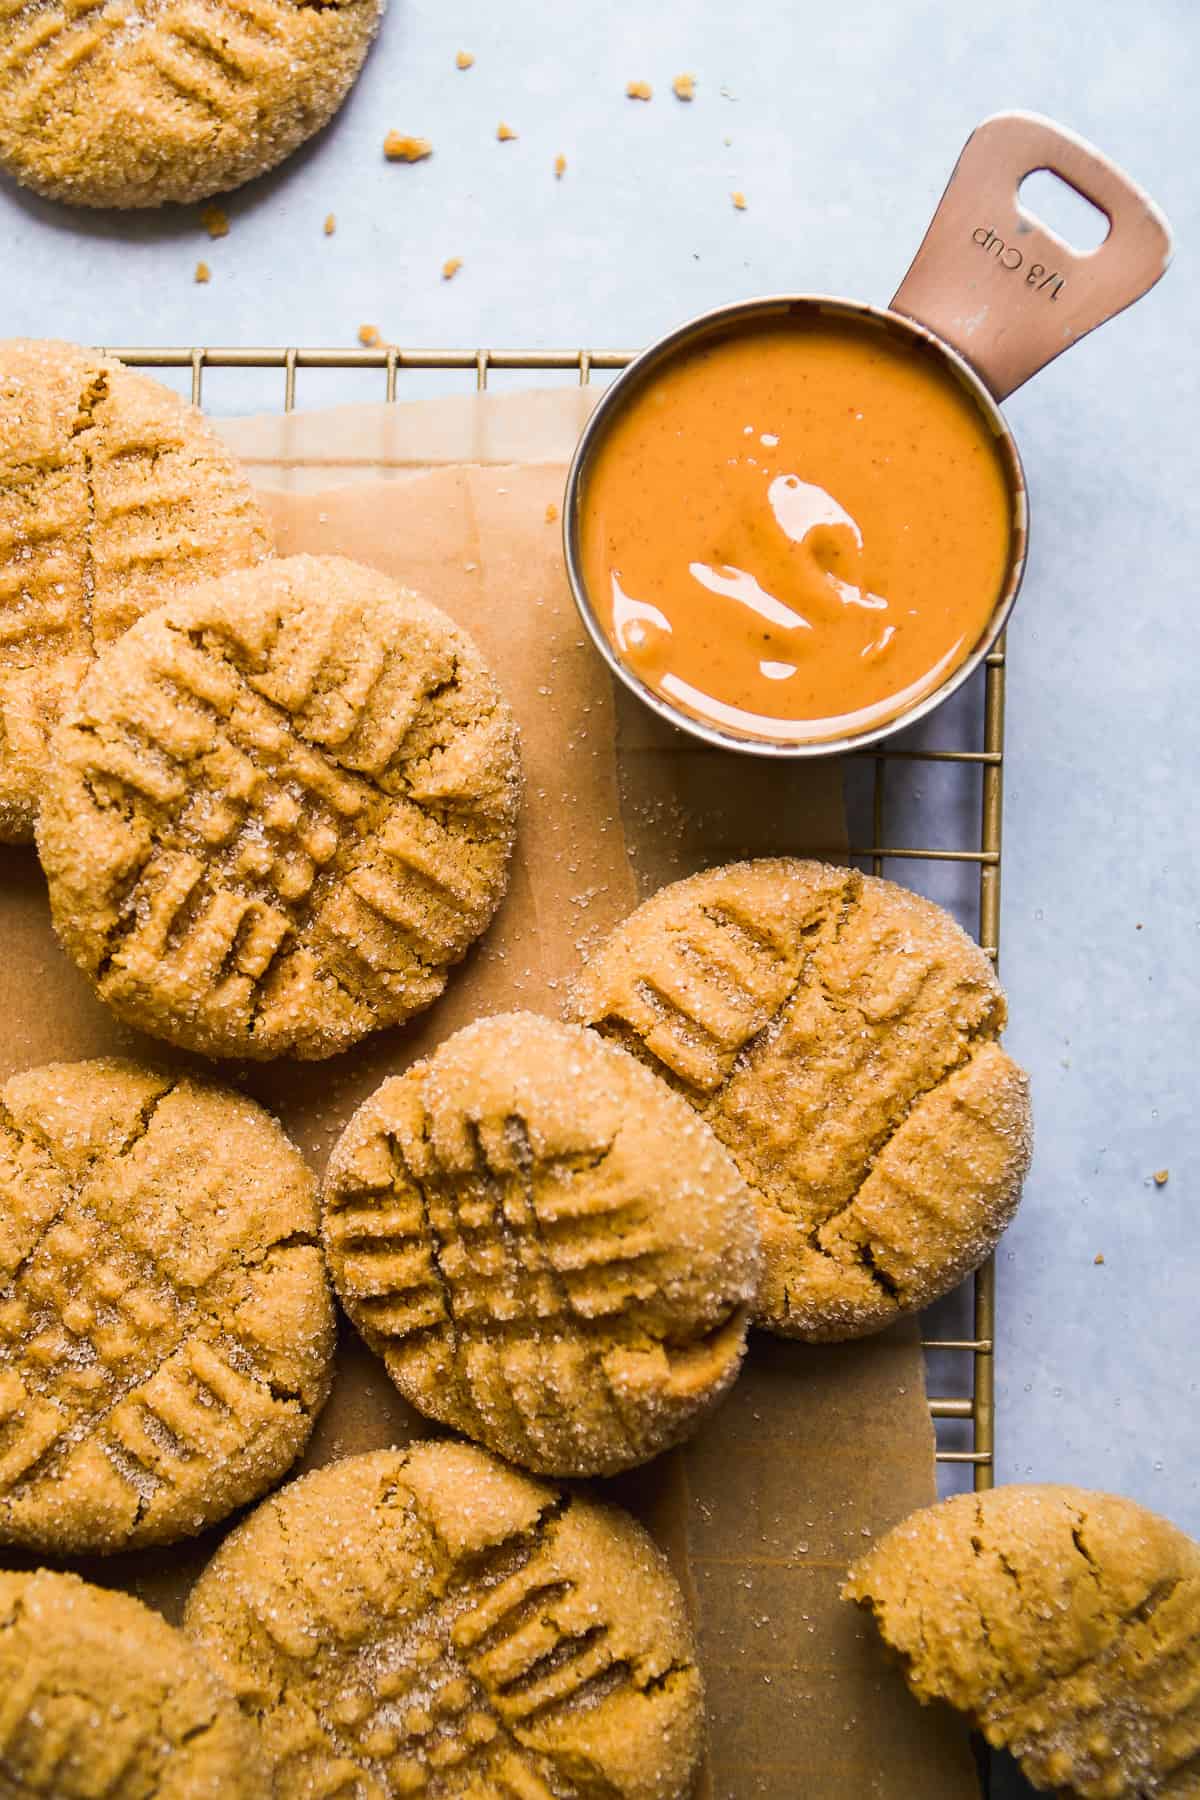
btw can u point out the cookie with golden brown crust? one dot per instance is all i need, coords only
(112, 490)
(1065, 1624)
(100, 1696)
(127, 105)
(550, 1251)
(166, 1328)
(839, 1035)
(429, 1622)
(280, 810)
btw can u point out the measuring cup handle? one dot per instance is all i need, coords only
(1006, 293)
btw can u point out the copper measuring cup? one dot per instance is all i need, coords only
(992, 294)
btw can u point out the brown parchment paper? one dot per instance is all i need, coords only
(818, 1450)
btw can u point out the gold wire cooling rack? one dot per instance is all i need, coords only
(964, 1421)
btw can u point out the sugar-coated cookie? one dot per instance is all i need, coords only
(550, 1251)
(166, 1328)
(112, 490)
(280, 810)
(838, 1033)
(429, 1622)
(124, 105)
(100, 1696)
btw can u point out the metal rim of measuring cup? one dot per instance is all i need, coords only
(715, 324)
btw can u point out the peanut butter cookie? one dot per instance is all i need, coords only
(282, 806)
(99, 1696)
(116, 104)
(166, 1328)
(839, 1035)
(111, 491)
(428, 1622)
(549, 1251)
(1065, 1624)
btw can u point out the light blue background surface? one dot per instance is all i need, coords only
(845, 120)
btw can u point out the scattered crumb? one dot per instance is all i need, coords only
(215, 221)
(450, 267)
(551, 513)
(399, 148)
(330, 224)
(639, 90)
(463, 60)
(739, 200)
(1099, 1257)
(203, 272)
(368, 337)
(505, 133)
(1161, 1177)
(684, 87)
(1138, 926)
(560, 169)
(727, 141)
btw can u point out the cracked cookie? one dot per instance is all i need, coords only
(166, 1328)
(111, 491)
(100, 1696)
(429, 1622)
(1065, 1624)
(116, 104)
(839, 1035)
(551, 1253)
(281, 808)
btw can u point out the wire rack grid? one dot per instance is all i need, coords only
(964, 1420)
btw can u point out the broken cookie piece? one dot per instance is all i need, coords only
(1065, 1625)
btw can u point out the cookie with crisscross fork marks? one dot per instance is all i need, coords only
(552, 1254)
(1065, 1624)
(112, 490)
(282, 807)
(839, 1035)
(166, 1327)
(133, 102)
(428, 1622)
(101, 1699)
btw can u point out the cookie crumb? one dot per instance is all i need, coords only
(551, 513)
(398, 147)
(1099, 1257)
(464, 60)
(330, 224)
(560, 166)
(215, 221)
(727, 141)
(203, 272)
(450, 267)
(368, 337)
(639, 90)
(505, 133)
(739, 200)
(1138, 926)
(684, 87)
(1161, 1177)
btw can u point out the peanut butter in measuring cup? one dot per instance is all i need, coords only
(798, 529)
(797, 524)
